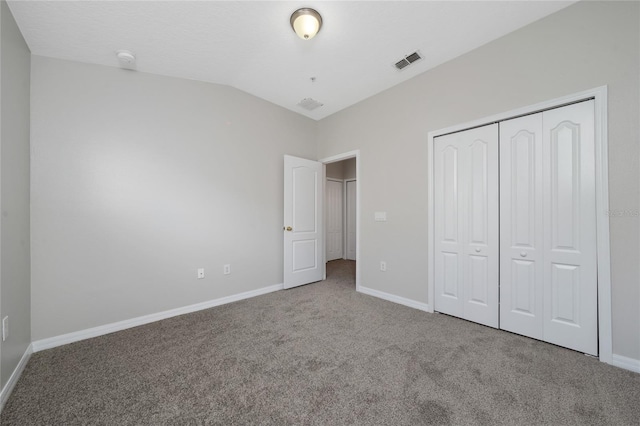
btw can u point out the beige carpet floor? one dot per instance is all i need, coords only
(320, 354)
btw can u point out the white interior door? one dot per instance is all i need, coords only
(521, 226)
(303, 248)
(466, 224)
(335, 212)
(570, 269)
(351, 218)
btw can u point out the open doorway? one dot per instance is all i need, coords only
(341, 200)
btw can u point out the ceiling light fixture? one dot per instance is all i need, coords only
(306, 23)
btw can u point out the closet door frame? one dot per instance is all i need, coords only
(599, 95)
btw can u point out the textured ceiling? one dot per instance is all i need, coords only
(251, 46)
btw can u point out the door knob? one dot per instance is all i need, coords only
(288, 228)
(477, 249)
(523, 254)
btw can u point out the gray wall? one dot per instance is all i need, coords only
(15, 268)
(583, 46)
(138, 180)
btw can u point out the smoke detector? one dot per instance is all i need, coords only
(126, 58)
(309, 104)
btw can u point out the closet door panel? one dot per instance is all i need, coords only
(466, 224)
(333, 191)
(481, 230)
(448, 272)
(570, 275)
(521, 222)
(351, 197)
(450, 281)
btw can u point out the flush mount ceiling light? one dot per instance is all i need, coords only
(306, 23)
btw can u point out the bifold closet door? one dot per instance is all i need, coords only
(548, 272)
(351, 188)
(521, 226)
(334, 198)
(570, 269)
(466, 224)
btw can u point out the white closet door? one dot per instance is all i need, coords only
(570, 270)
(548, 276)
(521, 226)
(333, 192)
(351, 219)
(466, 224)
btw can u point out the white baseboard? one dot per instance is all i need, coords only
(8, 388)
(396, 299)
(626, 363)
(52, 342)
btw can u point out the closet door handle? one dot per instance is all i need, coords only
(477, 249)
(523, 254)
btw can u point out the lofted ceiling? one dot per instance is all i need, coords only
(250, 45)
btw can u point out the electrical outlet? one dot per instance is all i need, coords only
(5, 328)
(227, 269)
(200, 273)
(383, 266)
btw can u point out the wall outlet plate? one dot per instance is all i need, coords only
(383, 266)
(227, 269)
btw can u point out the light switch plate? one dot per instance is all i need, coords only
(380, 216)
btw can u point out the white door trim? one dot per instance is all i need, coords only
(599, 95)
(339, 157)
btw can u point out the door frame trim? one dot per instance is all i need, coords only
(333, 159)
(599, 95)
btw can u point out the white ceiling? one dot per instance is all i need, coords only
(250, 45)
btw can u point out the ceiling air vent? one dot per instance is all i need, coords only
(408, 60)
(401, 64)
(309, 104)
